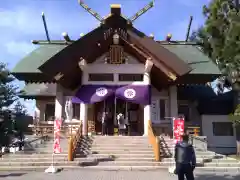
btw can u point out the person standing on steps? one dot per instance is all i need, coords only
(121, 124)
(185, 159)
(104, 119)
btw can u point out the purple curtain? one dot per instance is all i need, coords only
(90, 94)
(139, 94)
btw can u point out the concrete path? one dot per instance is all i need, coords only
(112, 175)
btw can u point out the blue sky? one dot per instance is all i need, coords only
(20, 22)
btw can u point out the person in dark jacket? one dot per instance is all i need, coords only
(185, 159)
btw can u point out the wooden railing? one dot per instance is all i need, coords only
(73, 143)
(154, 141)
(47, 128)
(67, 129)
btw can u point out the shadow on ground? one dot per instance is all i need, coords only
(11, 175)
(96, 161)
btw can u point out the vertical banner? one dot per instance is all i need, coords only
(57, 128)
(178, 129)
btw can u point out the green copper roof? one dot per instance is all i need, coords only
(200, 63)
(192, 55)
(39, 89)
(31, 62)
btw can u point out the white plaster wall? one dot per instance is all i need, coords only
(155, 99)
(217, 141)
(133, 67)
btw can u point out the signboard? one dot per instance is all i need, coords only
(57, 128)
(178, 129)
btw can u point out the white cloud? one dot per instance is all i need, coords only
(19, 48)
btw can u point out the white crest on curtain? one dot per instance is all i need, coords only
(69, 109)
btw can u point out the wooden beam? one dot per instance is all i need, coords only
(52, 42)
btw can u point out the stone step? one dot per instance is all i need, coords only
(68, 167)
(148, 155)
(20, 154)
(95, 147)
(115, 168)
(126, 155)
(39, 163)
(119, 144)
(222, 164)
(118, 137)
(223, 160)
(33, 159)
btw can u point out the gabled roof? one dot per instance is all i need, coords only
(64, 59)
(161, 56)
(192, 55)
(31, 62)
(28, 66)
(38, 90)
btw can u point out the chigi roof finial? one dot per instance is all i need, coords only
(45, 26)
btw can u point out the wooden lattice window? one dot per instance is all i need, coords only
(116, 55)
(130, 77)
(100, 77)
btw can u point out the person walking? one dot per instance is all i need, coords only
(185, 159)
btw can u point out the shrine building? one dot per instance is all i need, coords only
(119, 68)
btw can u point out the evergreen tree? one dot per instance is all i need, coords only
(220, 40)
(7, 90)
(18, 114)
(8, 94)
(19, 109)
(220, 36)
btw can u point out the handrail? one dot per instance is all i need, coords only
(195, 130)
(73, 143)
(45, 128)
(200, 140)
(154, 141)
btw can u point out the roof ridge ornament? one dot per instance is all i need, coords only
(45, 27)
(141, 12)
(92, 12)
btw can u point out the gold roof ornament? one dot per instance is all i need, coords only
(169, 37)
(151, 36)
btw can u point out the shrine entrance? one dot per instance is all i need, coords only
(132, 113)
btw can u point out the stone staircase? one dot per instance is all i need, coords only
(119, 152)
(37, 154)
(108, 153)
(205, 159)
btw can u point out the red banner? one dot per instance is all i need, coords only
(57, 128)
(178, 129)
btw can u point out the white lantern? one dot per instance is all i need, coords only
(115, 38)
